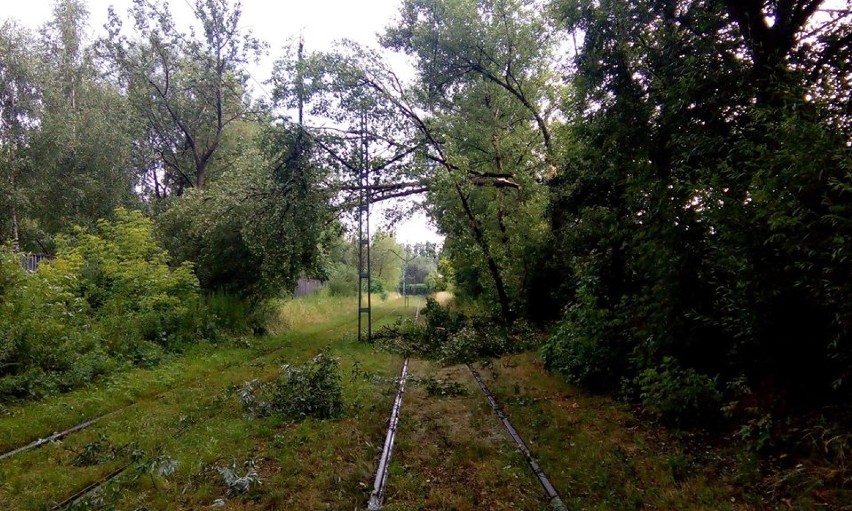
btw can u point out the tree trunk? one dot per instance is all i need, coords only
(493, 269)
(16, 242)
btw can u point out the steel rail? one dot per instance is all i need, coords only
(91, 487)
(378, 494)
(115, 473)
(56, 436)
(552, 495)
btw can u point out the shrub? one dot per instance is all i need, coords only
(107, 298)
(378, 287)
(309, 390)
(450, 337)
(342, 280)
(682, 397)
(582, 359)
(124, 276)
(237, 315)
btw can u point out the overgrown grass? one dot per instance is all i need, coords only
(601, 456)
(451, 452)
(201, 426)
(318, 308)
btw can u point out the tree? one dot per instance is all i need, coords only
(505, 42)
(385, 261)
(484, 77)
(82, 145)
(701, 230)
(187, 89)
(263, 223)
(19, 107)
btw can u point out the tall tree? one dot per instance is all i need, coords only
(737, 193)
(20, 100)
(484, 76)
(188, 88)
(81, 149)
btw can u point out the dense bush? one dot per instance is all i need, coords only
(684, 231)
(378, 287)
(679, 396)
(309, 390)
(584, 346)
(108, 298)
(342, 280)
(451, 337)
(235, 315)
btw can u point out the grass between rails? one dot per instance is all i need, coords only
(452, 453)
(200, 426)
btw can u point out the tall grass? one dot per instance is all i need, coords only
(236, 315)
(295, 313)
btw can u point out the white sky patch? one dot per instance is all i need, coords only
(278, 23)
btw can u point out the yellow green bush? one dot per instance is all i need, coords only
(109, 298)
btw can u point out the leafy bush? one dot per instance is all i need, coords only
(378, 287)
(577, 350)
(237, 315)
(309, 390)
(473, 342)
(679, 396)
(451, 337)
(342, 280)
(108, 298)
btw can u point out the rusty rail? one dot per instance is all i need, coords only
(552, 495)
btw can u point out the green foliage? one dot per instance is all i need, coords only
(385, 261)
(581, 356)
(107, 299)
(124, 277)
(452, 337)
(65, 133)
(443, 277)
(309, 390)
(704, 233)
(257, 228)
(679, 396)
(378, 287)
(236, 315)
(342, 280)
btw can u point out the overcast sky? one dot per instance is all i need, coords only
(321, 22)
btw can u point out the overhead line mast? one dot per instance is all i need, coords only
(364, 279)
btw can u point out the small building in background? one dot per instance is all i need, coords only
(306, 286)
(30, 262)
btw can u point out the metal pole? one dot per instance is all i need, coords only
(364, 277)
(405, 261)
